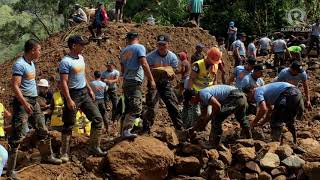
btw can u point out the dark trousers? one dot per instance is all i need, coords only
(103, 111)
(111, 95)
(195, 16)
(83, 101)
(165, 92)
(119, 10)
(133, 102)
(279, 59)
(314, 40)
(21, 119)
(287, 107)
(239, 61)
(97, 26)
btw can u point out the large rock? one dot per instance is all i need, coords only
(169, 136)
(186, 178)
(191, 149)
(253, 166)
(187, 166)
(264, 176)
(293, 162)
(259, 144)
(304, 134)
(92, 163)
(213, 154)
(312, 170)
(246, 142)
(284, 151)
(216, 164)
(246, 154)
(251, 176)
(273, 146)
(270, 160)
(281, 170)
(235, 174)
(312, 148)
(281, 177)
(143, 158)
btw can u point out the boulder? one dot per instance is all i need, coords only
(259, 144)
(293, 162)
(281, 170)
(246, 142)
(273, 146)
(225, 156)
(216, 164)
(281, 177)
(92, 163)
(284, 151)
(270, 160)
(312, 148)
(309, 143)
(253, 167)
(187, 166)
(186, 178)
(251, 176)
(246, 154)
(143, 158)
(235, 174)
(213, 154)
(264, 176)
(169, 136)
(216, 175)
(312, 170)
(191, 149)
(304, 134)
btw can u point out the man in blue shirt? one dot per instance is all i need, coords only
(225, 100)
(241, 71)
(287, 103)
(111, 78)
(163, 63)
(195, 7)
(315, 37)
(25, 107)
(232, 34)
(78, 94)
(99, 88)
(239, 50)
(133, 67)
(294, 75)
(253, 79)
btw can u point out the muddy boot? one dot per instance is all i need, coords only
(127, 134)
(11, 174)
(246, 132)
(65, 149)
(46, 152)
(95, 139)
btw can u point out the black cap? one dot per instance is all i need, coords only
(251, 61)
(163, 38)
(97, 74)
(296, 65)
(132, 35)
(258, 67)
(77, 39)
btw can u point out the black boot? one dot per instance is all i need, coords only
(95, 139)
(65, 149)
(46, 152)
(11, 165)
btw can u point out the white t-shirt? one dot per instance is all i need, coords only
(279, 45)
(82, 14)
(265, 43)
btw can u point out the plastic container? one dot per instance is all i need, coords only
(151, 20)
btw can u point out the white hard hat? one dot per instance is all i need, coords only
(303, 46)
(43, 83)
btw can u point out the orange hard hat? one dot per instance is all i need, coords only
(214, 55)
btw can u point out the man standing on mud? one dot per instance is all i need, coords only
(25, 106)
(78, 94)
(164, 63)
(133, 67)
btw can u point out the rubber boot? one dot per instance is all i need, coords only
(65, 149)
(95, 139)
(11, 165)
(46, 152)
(127, 134)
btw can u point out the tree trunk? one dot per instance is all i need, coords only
(35, 35)
(44, 26)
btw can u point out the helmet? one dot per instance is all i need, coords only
(214, 55)
(303, 46)
(231, 23)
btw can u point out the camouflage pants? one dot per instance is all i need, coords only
(83, 101)
(133, 103)
(21, 119)
(100, 103)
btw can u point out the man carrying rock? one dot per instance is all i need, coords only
(111, 78)
(288, 104)
(25, 107)
(164, 63)
(241, 71)
(78, 94)
(225, 100)
(294, 75)
(133, 67)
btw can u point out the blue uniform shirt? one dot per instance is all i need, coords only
(27, 71)
(130, 60)
(110, 75)
(248, 81)
(155, 60)
(240, 72)
(279, 46)
(285, 76)
(251, 49)
(270, 92)
(75, 67)
(220, 92)
(239, 44)
(98, 88)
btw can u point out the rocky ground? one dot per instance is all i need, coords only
(164, 154)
